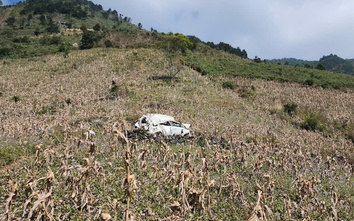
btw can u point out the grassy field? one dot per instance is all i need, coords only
(225, 64)
(263, 150)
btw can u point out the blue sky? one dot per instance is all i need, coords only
(9, 2)
(303, 29)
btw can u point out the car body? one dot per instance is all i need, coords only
(164, 124)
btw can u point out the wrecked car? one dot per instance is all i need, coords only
(164, 124)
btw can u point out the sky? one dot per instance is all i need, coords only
(268, 29)
(9, 2)
(303, 29)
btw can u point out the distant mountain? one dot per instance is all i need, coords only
(337, 64)
(293, 62)
(330, 63)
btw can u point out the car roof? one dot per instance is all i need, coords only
(159, 118)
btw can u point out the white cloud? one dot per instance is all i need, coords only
(306, 29)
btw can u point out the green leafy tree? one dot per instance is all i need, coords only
(88, 40)
(244, 54)
(105, 15)
(108, 43)
(257, 59)
(97, 27)
(174, 46)
(176, 43)
(83, 28)
(320, 67)
(140, 26)
(0, 3)
(5, 51)
(52, 28)
(42, 19)
(10, 21)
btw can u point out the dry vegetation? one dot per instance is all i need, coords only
(64, 155)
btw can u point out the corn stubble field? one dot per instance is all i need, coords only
(249, 159)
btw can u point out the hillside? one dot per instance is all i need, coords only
(35, 28)
(271, 142)
(288, 142)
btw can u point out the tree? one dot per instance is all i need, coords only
(105, 15)
(88, 40)
(176, 43)
(320, 67)
(52, 28)
(108, 43)
(83, 28)
(174, 46)
(257, 59)
(244, 54)
(10, 21)
(0, 3)
(42, 18)
(97, 27)
(140, 26)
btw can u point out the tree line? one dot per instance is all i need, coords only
(228, 48)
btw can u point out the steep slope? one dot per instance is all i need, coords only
(283, 143)
(36, 27)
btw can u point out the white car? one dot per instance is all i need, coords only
(164, 124)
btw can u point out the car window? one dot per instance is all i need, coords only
(175, 124)
(144, 120)
(165, 123)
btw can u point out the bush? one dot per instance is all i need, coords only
(114, 92)
(228, 85)
(108, 43)
(68, 101)
(312, 122)
(350, 135)
(290, 108)
(245, 93)
(15, 98)
(88, 40)
(55, 40)
(309, 82)
(5, 51)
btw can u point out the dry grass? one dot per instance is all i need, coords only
(266, 166)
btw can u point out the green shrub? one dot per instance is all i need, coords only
(47, 110)
(62, 48)
(68, 101)
(228, 85)
(108, 43)
(290, 108)
(15, 98)
(5, 51)
(116, 91)
(349, 134)
(245, 93)
(309, 82)
(312, 122)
